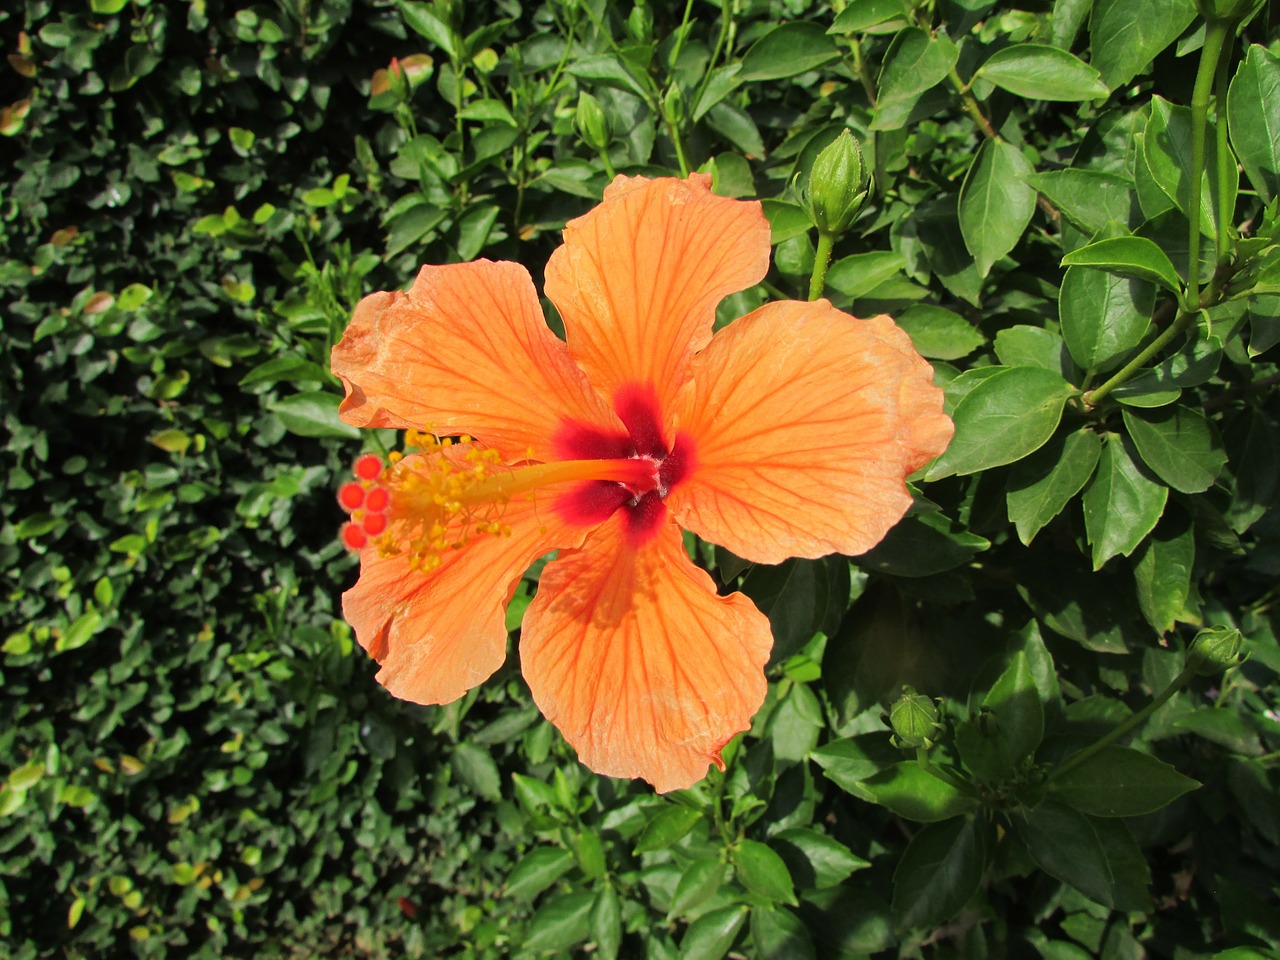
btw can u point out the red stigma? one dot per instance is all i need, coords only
(351, 496)
(353, 537)
(377, 500)
(374, 523)
(368, 467)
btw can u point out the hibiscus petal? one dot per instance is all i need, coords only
(465, 350)
(804, 423)
(439, 633)
(638, 278)
(645, 670)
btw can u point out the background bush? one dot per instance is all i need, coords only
(199, 764)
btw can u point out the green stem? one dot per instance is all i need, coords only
(457, 116)
(1139, 718)
(860, 68)
(674, 133)
(971, 105)
(774, 292)
(1226, 206)
(608, 164)
(684, 31)
(974, 109)
(1214, 39)
(820, 261)
(1175, 329)
(726, 21)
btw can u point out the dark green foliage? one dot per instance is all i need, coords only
(198, 760)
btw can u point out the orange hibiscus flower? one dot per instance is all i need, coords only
(787, 434)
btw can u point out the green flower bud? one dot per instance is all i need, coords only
(837, 187)
(1214, 650)
(914, 718)
(673, 106)
(592, 123)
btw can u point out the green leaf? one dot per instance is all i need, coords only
(1162, 571)
(1121, 503)
(1103, 316)
(940, 334)
(996, 204)
(1130, 257)
(857, 275)
(849, 761)
(983, 750)
(606, 923)
(477, 769)
(537, 870)
(413, 226)
(1024, 345)
(37, 525)
(735, 125)
(1007, 416)
(915, 62)
(561, 923)
(1043, 671)
(1254, 443)
(800, 597)
(787, 51)
(26, 776)
(1120, 782)
(933, 227)
(589, 849)
(608, 69)
(1089, 199)
(938, 873)
(289, 369)
(313, 414)
(701, 880)
(668, 826)
(1223, 727)
(80, 632)
(712, 934)
(1064, 844)
(473, 230)
(1130, 874)
(133, 296)
(1042, 72)
(858, 15)
(423, 21)
(1065, 21)
(1126, 35)
(814, 859)
(1167, 146)
(1085, 608)
(763, 872)
(1014, 699)
(487, 110)
(786, 220)
(1252, 121)
(922, 545)
(1041, 486)
(913, 793)
(778, 932)
(1179, 444)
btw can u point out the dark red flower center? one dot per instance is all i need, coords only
(594, 501)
